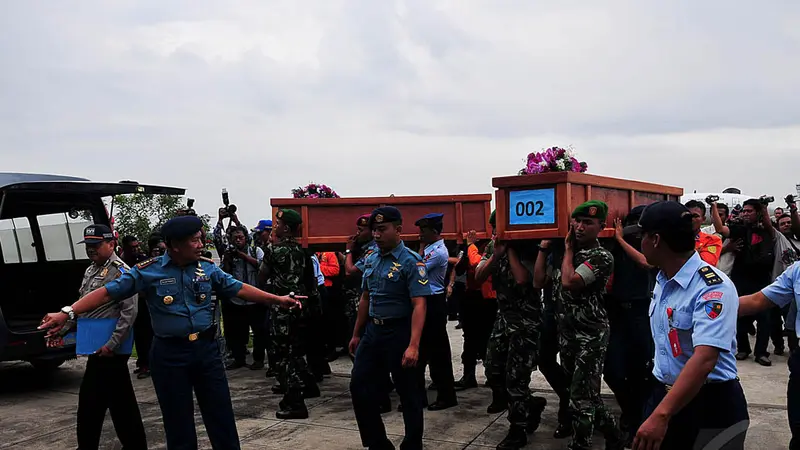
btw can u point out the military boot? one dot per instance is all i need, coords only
(310, 387)
(293, 407)
(616, 439)
(535, 416)
(468, 381)
(516, 439)
(499, 400)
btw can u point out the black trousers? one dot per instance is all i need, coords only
(455, 301)
(434, 348)
(313, 338)
(627, 366)
(239, 319)
(762, 334)
(719, 411)
(106, 386)
(477, 316)
(552, 371)
(143, 334)
(793, 397)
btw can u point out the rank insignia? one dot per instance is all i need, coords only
(709, 276)
(104, 272)
(713, 309)
(168, 300)
(391, 275)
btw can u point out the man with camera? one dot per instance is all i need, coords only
(241, 259)
(753, 242)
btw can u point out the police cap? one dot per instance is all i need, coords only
(95, 234)
(289, 217)
(263, 225)
(433, 220)
(181, 227)
(363, 220)
(666, 216)
(594, 209)
(385, 214)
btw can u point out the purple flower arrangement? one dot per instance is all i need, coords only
(314, 190)
(554, 159)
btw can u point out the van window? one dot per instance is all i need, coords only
(60, 236)
(16, 241)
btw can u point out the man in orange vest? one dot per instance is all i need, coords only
(709, 246)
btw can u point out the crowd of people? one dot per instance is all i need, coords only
(656, 312)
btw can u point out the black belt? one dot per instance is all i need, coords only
(208, 334)
(386, 322)
(668, 387)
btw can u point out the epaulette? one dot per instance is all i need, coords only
(709, 276)
(147, 263)
(117, 263)
(203, 258)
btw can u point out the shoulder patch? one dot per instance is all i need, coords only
(144, 264)
(203, 258)
(709, 276)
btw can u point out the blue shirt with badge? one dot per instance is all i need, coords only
(179, 298)
(436, 261)
(392, 280)
(366, 250)
(785, 290)
(703, 305)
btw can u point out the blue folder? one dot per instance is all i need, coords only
(94, 333)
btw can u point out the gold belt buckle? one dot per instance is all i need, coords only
(193, 337)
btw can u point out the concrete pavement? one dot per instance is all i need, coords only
(38, 412)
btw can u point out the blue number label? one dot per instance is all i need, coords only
(533, 207)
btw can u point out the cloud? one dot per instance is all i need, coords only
(405, 97)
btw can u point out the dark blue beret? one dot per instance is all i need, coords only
(430, 220)
(181, 227)
(385, 214)
(666, 216)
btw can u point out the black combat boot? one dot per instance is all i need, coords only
(535, 418)
(616, 439)
(499, 400)
(311, 390)
(516, 439)
(293, 407)
(468, 381)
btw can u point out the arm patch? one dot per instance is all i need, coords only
(709, 276)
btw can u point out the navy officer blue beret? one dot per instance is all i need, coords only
(430, 220)
(666, 216)
(385, 214)
(181, 227)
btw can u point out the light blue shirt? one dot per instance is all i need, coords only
(705, 307)
(435, 259)
(366, 250)
(317, 271)
(785, 290)
(179, 298)
(392, 280)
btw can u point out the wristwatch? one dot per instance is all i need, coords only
(544, 250)
(347, 252)
(291, 295)
(69, 312)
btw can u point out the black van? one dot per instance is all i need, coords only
(42, 217)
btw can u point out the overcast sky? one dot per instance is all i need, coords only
(375, 97)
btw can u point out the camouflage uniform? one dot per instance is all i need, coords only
(583, 336)
(513, 346)
(284, 266)
(352, 289)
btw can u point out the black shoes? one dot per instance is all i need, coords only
(292, 412)
(257, 365)
(516, 439)
(535, 418)
(468, 381)
(499, 401)
(233, 365)
(439, 405)
(764, 361)
(563, 431)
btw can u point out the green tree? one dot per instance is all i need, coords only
(141, 214)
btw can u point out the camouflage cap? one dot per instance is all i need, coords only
(289, 217)
(594, 209)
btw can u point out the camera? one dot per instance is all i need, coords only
(766, 200)
(189, 210)
(711, 199)
(229, 208)
(791, 199)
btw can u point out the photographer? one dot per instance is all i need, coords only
(753, 242)
(241, 259)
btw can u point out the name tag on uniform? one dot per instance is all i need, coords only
(166, 281)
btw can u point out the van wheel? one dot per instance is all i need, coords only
(47, 365)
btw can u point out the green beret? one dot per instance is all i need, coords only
(289, 217)
(493, 218)
(594, 209)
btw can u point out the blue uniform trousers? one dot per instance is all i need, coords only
(379, 353)
(718, 413)
(179, 367)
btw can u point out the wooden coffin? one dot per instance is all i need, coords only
(539, 206)
(328, 223)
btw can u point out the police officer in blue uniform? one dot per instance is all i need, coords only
(784, 291)
(185, 354)
(392, 309)
(435, 344)
(697, 397)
